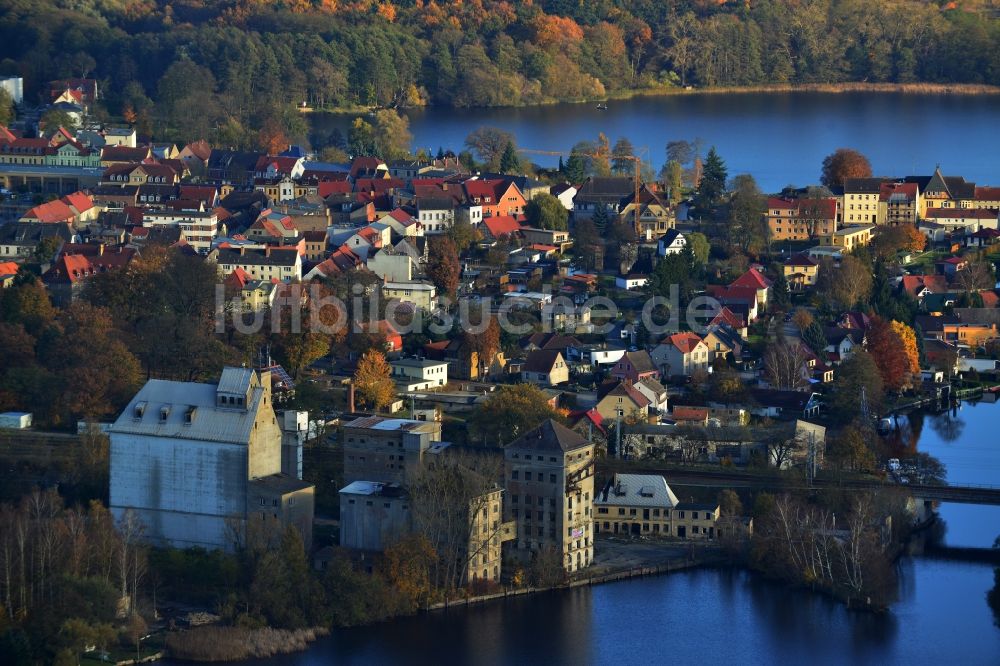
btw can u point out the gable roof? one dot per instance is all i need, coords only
(541, 360)
(684, 342)
(502, 225)
(549, 436)
(752, 278)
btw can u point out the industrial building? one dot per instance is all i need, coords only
(192, 460)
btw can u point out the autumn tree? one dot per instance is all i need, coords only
(886, 348)
(510, 411)
(392, 134)
(484, 344)
(443, 267)
(271, 138)
(373, 381)
(842, 164)
(908, 338)
(545, 211)
(849, 448)
(802, 319)
(407, 566)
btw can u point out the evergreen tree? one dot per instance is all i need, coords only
(561, 168)
(440, 154)
(779, 292)
(620, 164)
(509, 161)
(713, 180)
(814, 337)
(575, 169)
(601, 218)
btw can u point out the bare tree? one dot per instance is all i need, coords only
(785, 365)
(451, 502)
(976, 277)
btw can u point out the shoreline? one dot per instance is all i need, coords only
(954, 89)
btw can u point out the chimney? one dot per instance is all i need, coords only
(350, 398)
(243, 250)
(267, 251)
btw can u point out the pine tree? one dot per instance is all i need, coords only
(440, 155)
(509, 161)
(713, 180)
(575, 169)
(620, 164)
(601, 218)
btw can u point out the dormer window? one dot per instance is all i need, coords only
(140, 409)
(164, 413)
(189, 415)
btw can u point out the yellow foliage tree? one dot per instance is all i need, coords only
(373, 381)
(909, 338)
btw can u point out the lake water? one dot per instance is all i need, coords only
(966, 441)
(780, 138)
(727, 616)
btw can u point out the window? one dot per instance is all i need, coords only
(514, 475)
(552, 478)
(527, 476)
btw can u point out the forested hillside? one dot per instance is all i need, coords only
(245, 62)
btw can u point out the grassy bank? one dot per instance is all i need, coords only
(238, 643)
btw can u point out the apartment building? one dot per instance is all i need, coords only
(549, 474)
(861, 201)
(801, 219)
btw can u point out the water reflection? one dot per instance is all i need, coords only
(948, 426)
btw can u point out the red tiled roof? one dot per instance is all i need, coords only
(8, 268)
(886, 190)
(936, 284)
(327, 187)
(80, 201)
(501, 225)
(53, 211)
(727, 316)
(988, 193)
(685, 342)
(752, 278)
(685, 413)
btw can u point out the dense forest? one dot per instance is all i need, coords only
(245, 63)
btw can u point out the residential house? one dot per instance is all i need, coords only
(282, 264)
(545, 367)
(549, 474)
(723, 340)
(655, 392)
(417, 293)
(635, 505)
(621, 399)
(754, 279)
(436, 214)
(672, 242)
(852, 236)
(775, 403)
(500, 227)
(635, 366)
(800, 271)
(681, 354)
(418, 374)
(963, 219)
(655, 215)
(464, 362)
(841, 342)
(631, 281)
(391, 265)
(77, 263)
(250, 295)
(607, 192)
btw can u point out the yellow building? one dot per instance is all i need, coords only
(418, 294)
(852, 237)
(644, 505)
(800, 271)
(861, 199)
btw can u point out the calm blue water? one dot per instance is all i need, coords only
(707, 616)
(966, 442)
(780, 138)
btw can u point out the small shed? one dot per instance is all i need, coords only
(16, 420)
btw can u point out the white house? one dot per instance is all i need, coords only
(391, 265)
(417, 374)
(631, 281)
(672, 242)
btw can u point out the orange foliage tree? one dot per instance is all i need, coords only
(887, 350)
(909, 340)
(373, 380)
